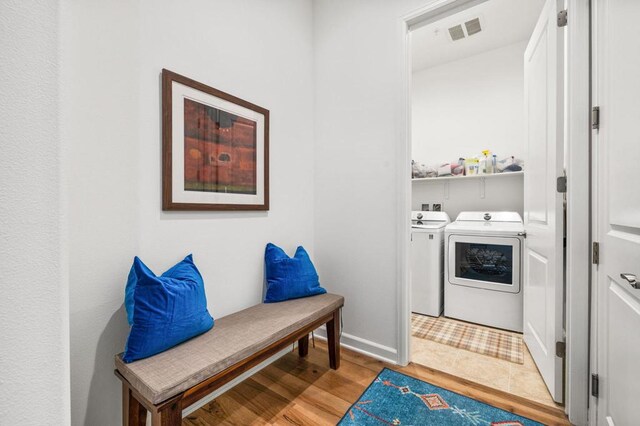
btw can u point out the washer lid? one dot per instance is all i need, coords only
(429, 220)
(430, 216)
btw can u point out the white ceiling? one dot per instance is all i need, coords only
(503, 22)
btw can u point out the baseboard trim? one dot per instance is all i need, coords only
(363, 346)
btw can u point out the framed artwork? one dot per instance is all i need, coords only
(215, 148)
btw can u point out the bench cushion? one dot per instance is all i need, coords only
(234, 338)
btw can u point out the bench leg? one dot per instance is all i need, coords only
(169, 414)
(303, 346)
(133, 413)
(333, 340)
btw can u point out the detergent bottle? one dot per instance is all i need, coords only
(486, 163)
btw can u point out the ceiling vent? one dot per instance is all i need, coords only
(456, 32)
(473, 26)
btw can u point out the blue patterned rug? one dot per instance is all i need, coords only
(396, 399)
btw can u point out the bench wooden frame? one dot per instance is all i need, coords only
(169, 412)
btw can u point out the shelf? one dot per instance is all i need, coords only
(449, 178)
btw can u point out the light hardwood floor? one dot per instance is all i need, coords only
(295, 391)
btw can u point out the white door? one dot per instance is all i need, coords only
(543, 205)
(617, 210)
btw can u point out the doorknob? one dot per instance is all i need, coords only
(631, 279)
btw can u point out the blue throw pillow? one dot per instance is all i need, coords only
(289, 277)
(164, 311)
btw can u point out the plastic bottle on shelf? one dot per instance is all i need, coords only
(471, 166)
(482, 166)
(485, 164)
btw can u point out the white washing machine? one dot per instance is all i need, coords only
(483, 272)
(427, 261)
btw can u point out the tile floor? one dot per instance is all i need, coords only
(519, 379)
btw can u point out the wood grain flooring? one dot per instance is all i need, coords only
(295, 391)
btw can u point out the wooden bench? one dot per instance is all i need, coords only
(166, 383)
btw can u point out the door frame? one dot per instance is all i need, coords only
(577, 159)
(578, 227)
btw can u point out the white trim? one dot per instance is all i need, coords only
(577, 128)
(363, 346)
(435, 10)
(598, 15)
(222, 389)
(403, 203)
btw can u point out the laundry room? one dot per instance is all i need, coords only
(467, 111)
(469, 159)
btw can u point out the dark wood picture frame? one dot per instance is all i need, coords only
(168, 202)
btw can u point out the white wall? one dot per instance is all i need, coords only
(462, 107)
(503, 193)
(34, 348)
(101, 125)
(359, 73)
(358, 68)
(258, 51)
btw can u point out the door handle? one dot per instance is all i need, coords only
(631, 279)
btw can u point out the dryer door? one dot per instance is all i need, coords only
(492, 263)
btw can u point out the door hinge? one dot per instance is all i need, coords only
(562, 18)
(561, 184)
(595, 385)
(595, 118)
(595, 253)
(561, 349)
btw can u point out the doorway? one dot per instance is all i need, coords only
(482, 186)
(468, 147)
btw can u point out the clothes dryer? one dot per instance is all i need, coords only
(483, 273)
